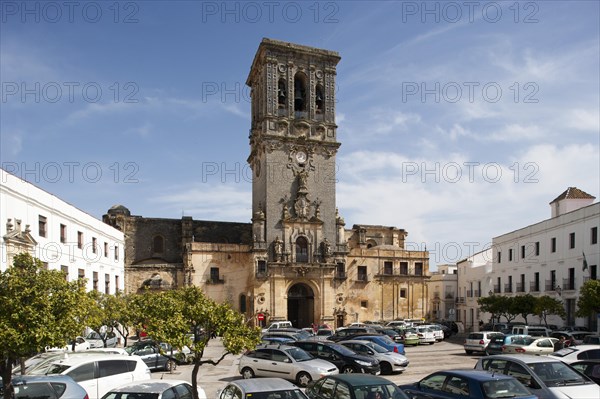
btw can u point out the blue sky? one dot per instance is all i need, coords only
(459, 121)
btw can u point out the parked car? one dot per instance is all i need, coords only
(382, 340)
(155, 389)
(389, 362)
(96, 340)
(45, 387)
(264, 388)
(472, 384)
(78, 344)
(497, 342)
(97, 373)
(531, 346)
(478, 341)
(278, 324)
(346, 360)
(393, 334)
(581, 352)
(284, 361)
(546, 377)
(291, 333)
(276, 340)
(438, 333)
(155, 356)
(323, 334)
(591, 339)
(343, 333)
(408, 336)
(354, 386)
(426, 336)
(534, 331)
(591, 368)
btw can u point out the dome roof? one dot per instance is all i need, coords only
(119, 210)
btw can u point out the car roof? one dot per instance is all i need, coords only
(524, 358)
(70, 360)
(478, 375)
(360, 379)
(149, 386)
(16, 379)
(263, 384)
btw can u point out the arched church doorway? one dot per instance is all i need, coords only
(301, 305)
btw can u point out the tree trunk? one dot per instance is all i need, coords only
(195, 370)
(6, 373)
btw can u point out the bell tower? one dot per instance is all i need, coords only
(293, 146)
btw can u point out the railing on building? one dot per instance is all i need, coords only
(534, 286)
(568, 284)
(520, 287)
(340, 276)
(508, 288)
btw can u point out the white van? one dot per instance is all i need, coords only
(534, 331)
(98, 373)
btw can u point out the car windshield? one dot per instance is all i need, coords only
(504, 388)
(130, 395)
(299, 355)
(287, 394)
(302, 335)
(324, 332)
(523, 341)
(386, 391)
(377, 348)
(55, 368)
(342, 349)
(564, 352)
(557, 374)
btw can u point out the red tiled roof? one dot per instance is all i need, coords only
(573, 193)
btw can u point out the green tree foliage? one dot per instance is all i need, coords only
(39, 309)
(524, 305)
(589, 298)
(546, 305)
(172, 316)
(118, 310)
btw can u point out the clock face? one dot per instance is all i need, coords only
(301, 156)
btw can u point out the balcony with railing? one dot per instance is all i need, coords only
(340, 275)
(508, 288)
(568, 284)
(550, 285)
(520, 287)
(215, 280)
(534, 286)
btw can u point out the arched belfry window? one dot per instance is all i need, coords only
(158, 244)
(319, 99)
(282, 93)
(301, 250)
(300, 92)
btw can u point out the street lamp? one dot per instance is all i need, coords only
(491, 293)
(558, 290)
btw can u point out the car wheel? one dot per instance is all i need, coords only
(386, 368)
(303, 378)
(247, 373)
(469, 352)
(170, 365)
(347, 370)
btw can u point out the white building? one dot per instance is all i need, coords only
(546, 258)
(60, 235)
(443, 290)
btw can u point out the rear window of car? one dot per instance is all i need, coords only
(34, 390)
(504, 388)
(475, 336)
(112, 367)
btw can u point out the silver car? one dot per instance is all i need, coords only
(155, 389)
(286, 362)
(390, 362)
(264, 388)
(46, 386)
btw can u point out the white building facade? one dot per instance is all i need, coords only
(553, 257)
(60, 235)
(443, 290)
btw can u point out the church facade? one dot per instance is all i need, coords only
(296, 260)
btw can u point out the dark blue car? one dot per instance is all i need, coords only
(382, 340)
(472, 384)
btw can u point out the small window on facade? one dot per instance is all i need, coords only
(319, 99)
(242, 303)
(522, 251)
(537, 248)
(94, 244)
(340, 270)
(594, 272)
(261, 267)
(418, 268)
(281, 93)
(300, 92)
(364, 304)
(301, 250)
(95, 281)
(42, 226)
(553, 244)
(63, 233)
(65, 270)
(158, 244)
(116, 252)
(107, 283)
(594, 235)
(117, 283)
(571, 240)
(499, 257)
(80, 274)
(404, 268)
(402, 292)
(362, 273)
(79, 239)
(510, 255)
(106, 250)
(214, 274)
(388, 268)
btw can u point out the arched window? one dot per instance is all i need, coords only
(319, 99)
(300, 92)
(158, 244)
(281, 94)
(301, 250)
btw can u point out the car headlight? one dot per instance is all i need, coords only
(363, 363)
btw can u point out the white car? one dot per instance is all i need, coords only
(95, 340)
(438, 333)
(158, 389)
(530, 346)
(79, 344)
(425, 335)
(97, 373)
(580, 352)
(389, 362)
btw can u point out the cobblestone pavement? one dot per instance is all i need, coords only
(423, 361)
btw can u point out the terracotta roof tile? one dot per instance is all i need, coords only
(573, 193)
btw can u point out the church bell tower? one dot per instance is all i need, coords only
(293, 146)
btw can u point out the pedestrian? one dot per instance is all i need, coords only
(558, 345)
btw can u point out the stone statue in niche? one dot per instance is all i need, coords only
(278, 249)
(325, 249)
